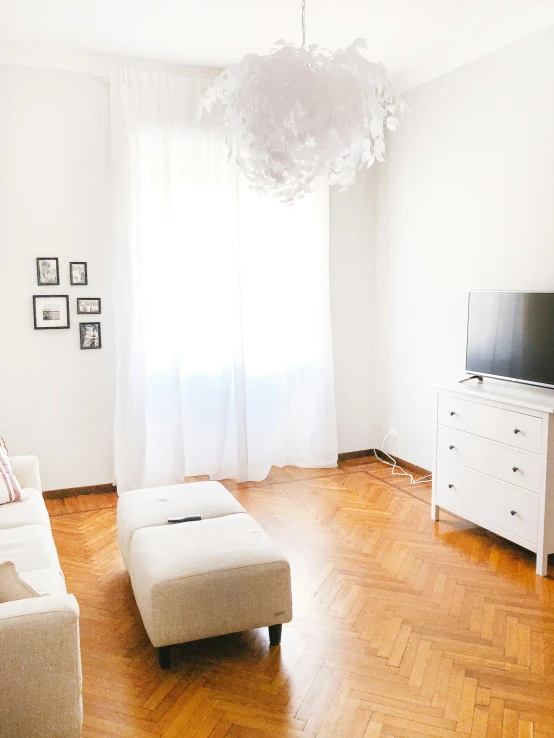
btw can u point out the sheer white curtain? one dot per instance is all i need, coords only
(223, 326)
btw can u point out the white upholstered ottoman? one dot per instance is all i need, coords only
(221, 574)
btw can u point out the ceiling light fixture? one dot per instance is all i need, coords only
(297, 114)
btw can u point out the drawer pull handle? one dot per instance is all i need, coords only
(515, 468)
(452, 412)
(512, 512)
(450, 486)
(516, 431)
(451, 448)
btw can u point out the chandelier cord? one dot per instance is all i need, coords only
(303, 24)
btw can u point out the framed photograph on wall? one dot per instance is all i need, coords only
(78, 272)
(87, 305)
(51, 311)
(90, 335)
(47, 270)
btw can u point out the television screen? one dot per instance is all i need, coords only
(511, 335)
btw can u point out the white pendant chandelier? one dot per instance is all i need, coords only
(297, 114)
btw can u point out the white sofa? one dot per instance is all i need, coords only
(40, 659)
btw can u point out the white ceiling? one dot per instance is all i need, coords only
(415, 39)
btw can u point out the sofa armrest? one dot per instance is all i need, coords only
(40, 668)
(26, 470)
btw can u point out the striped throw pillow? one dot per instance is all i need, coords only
(10, 489)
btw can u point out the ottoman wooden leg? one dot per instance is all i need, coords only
(275, 634)
(164, 656)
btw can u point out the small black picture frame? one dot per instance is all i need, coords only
(89, 306)
(78, 274)
(48, 272)
(90, 335)
(51, 312)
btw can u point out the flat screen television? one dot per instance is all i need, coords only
(510, 335)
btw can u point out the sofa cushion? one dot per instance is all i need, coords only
(45, 581)
(27, 471)
(30, 511)
(12, 587)
(30, 547)
(207, 578)
(147, 508)
(10, 490)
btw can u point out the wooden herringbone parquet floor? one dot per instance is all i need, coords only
(401, 627)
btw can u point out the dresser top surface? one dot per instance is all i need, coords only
(510, 393)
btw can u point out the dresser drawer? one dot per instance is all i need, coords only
(488, 499)
(506, 426)
(491, 458)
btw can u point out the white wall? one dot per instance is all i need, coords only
(56, 400)
(352, 277)
(466, 202)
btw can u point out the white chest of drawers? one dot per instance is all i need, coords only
(494, 460)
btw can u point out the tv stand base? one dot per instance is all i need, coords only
(478, 377)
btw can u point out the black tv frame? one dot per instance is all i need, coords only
(481, 375)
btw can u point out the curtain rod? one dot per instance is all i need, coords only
(208, 72)
(98, 65)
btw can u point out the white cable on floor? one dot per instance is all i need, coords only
(394, 463)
